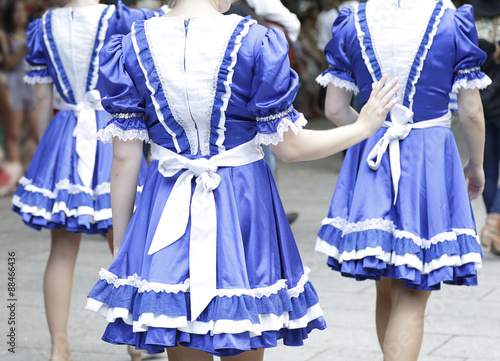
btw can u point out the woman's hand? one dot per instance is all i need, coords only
(475, 179)
(374, 113)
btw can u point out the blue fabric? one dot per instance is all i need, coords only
(255, 245)
(55, 159)
(338, 51)
(433, 198)
(467, 55)
(367, 41)
(420, 53)
(95, 54)
(64, 88)
(235, 308)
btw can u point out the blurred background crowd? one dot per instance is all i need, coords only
(307, 24)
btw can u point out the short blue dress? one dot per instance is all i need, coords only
(67, 183)
(400, 207)
(208, 260)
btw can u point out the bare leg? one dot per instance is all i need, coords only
(32, 126)
(383, 308)
(13, 132)
(58, 283)
(257, 355)
(109, 236)
(405, 329)
(181, 353)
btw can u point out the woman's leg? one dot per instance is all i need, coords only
(383, 308)
(181, 353)
(491, 163)
(57, 287)
(405, 329)
(12, 134)
(257, 355)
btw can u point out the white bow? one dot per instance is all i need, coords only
(399, 129)
(201, 207)
(85, 133)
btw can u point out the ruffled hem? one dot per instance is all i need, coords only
(239, 318)
(369, 251)
(35, 79)
(472, 80)
(284, 125)
(107, 134)
(329, 78)
(70, 206)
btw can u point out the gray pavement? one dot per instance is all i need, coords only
(462, 323)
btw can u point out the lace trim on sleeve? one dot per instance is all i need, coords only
(107, 134)
(285, 125)
(329, 78)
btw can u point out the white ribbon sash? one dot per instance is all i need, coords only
(399, 129)
(85, 133)
(175, 216)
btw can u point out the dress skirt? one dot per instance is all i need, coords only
(427, 237)
(263, 290)
(51, 194)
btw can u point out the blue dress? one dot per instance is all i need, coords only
(231, 279)
(67, 182)
(409, 219)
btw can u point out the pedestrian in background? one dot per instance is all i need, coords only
(488, 27)
(401, 211)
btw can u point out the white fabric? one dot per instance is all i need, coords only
(85, 133)
(324, 23)
(329, 78)
(275, 11)
(397, 29)
(201, 209)
(399, 129)
(408, 259)
(267, 322)
(285, 125)
(464, 83)
(190, 70)
(389, 227)
(107, 134)
(352, 4)
(75, 33)
(145, 286)
(37, 79)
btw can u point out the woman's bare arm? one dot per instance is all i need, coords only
(470, 111)
(44, 107)
(311, 145)
(127, 157)
(338, 106)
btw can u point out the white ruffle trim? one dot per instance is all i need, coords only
(388, 226)
(267, 322)
(58, 207)
(329, 78)
(38, 79)
(107, 134)
(65, 184)
(145, 286)
(471, 84)
(283, 126)
(391, 258)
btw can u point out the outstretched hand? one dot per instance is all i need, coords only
(475, 180)
(381, 101)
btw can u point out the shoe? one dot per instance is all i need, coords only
(135, 354)
(292, 217)
(490, 234)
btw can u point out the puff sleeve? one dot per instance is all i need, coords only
(274, 88)
(121, 98)
(337, 51)
(38, 73)
(467, 72)
(125, 17)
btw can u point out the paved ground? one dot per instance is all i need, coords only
(461, 323)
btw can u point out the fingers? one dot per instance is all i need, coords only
(389, 90)
(389, 106)
(379, 85)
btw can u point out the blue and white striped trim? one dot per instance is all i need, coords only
(99, 43)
